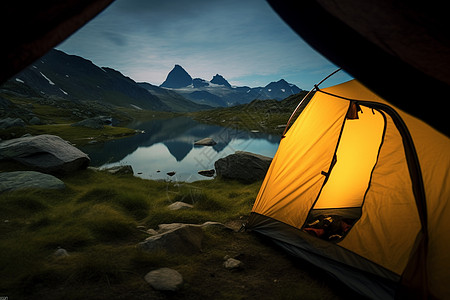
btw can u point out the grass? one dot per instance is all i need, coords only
(76, 135)
(98, 218)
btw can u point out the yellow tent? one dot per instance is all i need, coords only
(361, 189)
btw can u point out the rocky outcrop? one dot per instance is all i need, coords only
(45, 153)
(164, 279)
(17, 180)
(243, 166)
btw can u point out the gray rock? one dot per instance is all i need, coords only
(184, 239)
(95, 123)
(232, 264)
(28, 179)
(120, 170)
(205, 142)
(10, 122)
(45, 153)
(164, 279)
(60, 252)
(35, 121)
(243, 166)
(179, 206)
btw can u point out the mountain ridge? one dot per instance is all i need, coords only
(59, 75)
(218, 92)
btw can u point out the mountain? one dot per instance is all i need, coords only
(177, 78)
(58, 75)
(219, 93)
(218, 79)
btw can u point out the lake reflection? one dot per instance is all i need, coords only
(168, 145)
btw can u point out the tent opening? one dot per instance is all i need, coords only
(339, 203)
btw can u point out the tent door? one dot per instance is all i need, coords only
(354, 160)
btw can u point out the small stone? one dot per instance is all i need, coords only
(164, 279)
(61, 253)
(232, 264)
(179, 206)
(152, 231)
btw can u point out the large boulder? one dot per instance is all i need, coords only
(243, 166)
(17, 180)
(45, 153)
(11, 122)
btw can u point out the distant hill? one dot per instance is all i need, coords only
(62, 76)
(219, 93)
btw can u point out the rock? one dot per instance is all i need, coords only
(45, 153)
(28, 179)
(232, 264)
(120, 170)
(171, 173)
(207, 173)
(164, 279)
(179, 206)
(35, 121)
(60, 252)
(184, 239)
(177, 237)
(10, 122)
(243, 166)
(205, 142)
(152, 231)
(95, 123)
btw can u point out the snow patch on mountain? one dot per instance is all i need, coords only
(49, 81)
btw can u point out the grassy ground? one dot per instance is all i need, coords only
(99, 218)
(58, 115)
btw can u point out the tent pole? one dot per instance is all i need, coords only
(298, 106)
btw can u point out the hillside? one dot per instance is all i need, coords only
(58, 75)
(259, 115)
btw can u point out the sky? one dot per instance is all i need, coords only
(244, 41)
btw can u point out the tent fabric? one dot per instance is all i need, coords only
(399, 49)
(395, 217)
(30, 29)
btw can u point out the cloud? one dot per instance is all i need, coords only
(241, 40)
(116, 38)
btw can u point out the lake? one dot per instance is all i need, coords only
(168, 146)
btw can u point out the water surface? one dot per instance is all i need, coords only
(168, 146)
